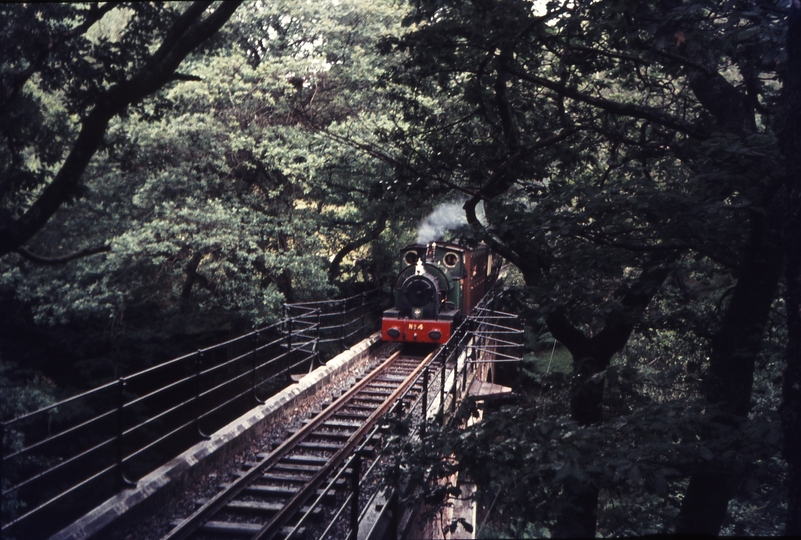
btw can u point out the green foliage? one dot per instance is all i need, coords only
(625, 158)
(638, 459)
(584, 187)
(52, 71)
(557, 359)
(236, 200)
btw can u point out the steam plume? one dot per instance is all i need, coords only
(444, 218)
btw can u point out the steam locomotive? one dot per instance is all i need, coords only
(438, 285)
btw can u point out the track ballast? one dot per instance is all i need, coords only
(267, 499)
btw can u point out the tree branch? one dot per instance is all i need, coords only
(184, 77)
(192, 276)
(683, 60)
(375, 232)
(493, 187)
(95, 14)
(28, 256)
(624, 109)
(182, 39)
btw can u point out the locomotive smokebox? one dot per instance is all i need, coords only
(419, 298)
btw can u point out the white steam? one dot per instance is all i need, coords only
(445, 217)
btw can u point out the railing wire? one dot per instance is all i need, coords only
(485, 338)
(63, 459)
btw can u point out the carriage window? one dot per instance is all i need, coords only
(410, 257)
(451, 260)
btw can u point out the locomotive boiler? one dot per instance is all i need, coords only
(438, 285)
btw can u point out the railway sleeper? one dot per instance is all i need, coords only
(244, 529)
(304, 445)
(352, 415)
(392, 378)
(268, 509)
(368, 399)
(280, 491)
(380, 392)
(263, 508)
(286, 479)
(304, 459)
(299, 469)
(398, 371)
(380, 387)
(355, 406)
(340, 424)
(320, 446)
(336, 435)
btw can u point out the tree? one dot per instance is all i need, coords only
(107, 92)
(230, 194)
(790, 132)
(609, 145)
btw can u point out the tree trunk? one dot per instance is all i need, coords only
(731, 374)
(738, 341)
(791, 390)
(580, 521)
(591, 356)
(705, 503)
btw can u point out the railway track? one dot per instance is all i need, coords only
(267, 499)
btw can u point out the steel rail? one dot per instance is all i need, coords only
(216, 503)
(345, 505)
(342, 470)
(282, 516)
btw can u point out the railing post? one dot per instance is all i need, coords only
(255, 361)
(464, 373)
(342, 339)
(361, 330)
(442, 391)
(424, 404)
(356, 470)
(288, 362)
(198, 367)
(122, 481)
(455, 379)
(317, 339)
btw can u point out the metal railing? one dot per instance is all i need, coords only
(486, 337)
(66, 458)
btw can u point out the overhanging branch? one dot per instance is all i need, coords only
(185, 35)
(624, 109)
(95, 13)
(28, 256)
